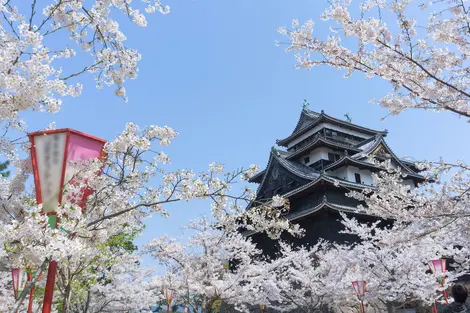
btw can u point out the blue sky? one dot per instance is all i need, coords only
(211, 71)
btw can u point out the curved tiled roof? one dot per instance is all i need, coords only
(329, 179)
(319, 117)
(305, 116)
(371, 146)
(256, 178)
(347, 159)
(295, 168)
(324, 204)
(298, 169)
(326, 142)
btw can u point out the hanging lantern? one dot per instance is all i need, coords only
(360, 287)
(186, 309)
(439, 267)
(51, 153)
(20, 278)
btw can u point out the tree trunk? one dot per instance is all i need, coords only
(28, 287)
(390, 307)
(66, 301)
(87, 305)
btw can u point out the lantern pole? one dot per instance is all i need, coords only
(169, 298)
(50, 168)
(31, 293)
(49, 291)
(436, 266)
(360, 287)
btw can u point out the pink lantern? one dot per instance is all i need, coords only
(51, 153)
(360, 287)
(439, 267)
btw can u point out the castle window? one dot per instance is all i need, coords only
(358, 178)
(333, 157)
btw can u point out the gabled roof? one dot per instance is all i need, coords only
(347, 160)
(371, 147)
(322, 141)
(298, 168)
(324, 204)
(323, 178)
(295, 168)
(257, 177)
(309, 119)
(306, 117)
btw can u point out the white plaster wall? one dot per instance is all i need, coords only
(347, 172)
(341, 173)
(318, 154)
(327, 125)
(305, 135)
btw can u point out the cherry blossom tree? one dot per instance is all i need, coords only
(423, 55)
(216, 263)
(31, 76)
(421, 49)
(125, 287)
(46, 49)
(305, 279)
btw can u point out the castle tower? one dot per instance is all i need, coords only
(315, 166)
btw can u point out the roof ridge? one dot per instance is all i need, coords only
(322, 115)
(290, 165)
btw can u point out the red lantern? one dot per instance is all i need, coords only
(440, 267)
(51, 153)
(360, 287)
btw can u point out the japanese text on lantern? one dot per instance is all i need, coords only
(50, 150)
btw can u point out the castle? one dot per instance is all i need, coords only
(315, 166)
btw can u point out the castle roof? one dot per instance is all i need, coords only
(321, 141)
(324, 204)
(380, 145)
(309, 119)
